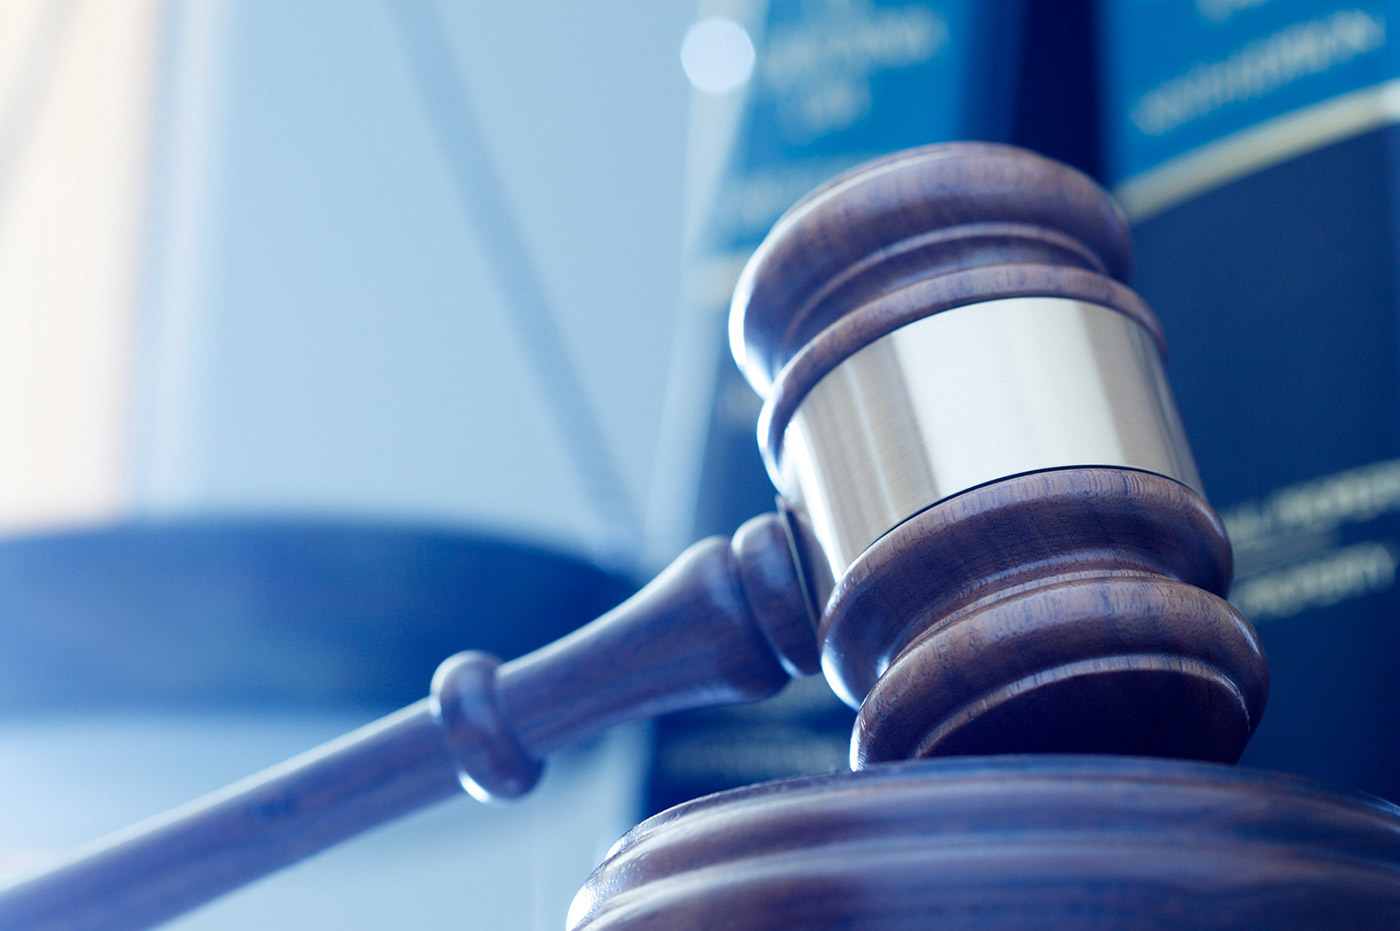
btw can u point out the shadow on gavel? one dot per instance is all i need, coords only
(991, 538)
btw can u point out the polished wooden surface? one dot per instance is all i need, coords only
(1079, 610)
(724, 623)
(1069, 611)
(1012, 842)
(1075, 610)
(912, 216)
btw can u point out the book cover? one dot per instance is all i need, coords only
(1252, 144)
(833, 84)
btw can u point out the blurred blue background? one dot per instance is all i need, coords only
(302, 313)
(339, 336)
(303, 389)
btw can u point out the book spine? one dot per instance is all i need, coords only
(833, 84)
(1252, 144)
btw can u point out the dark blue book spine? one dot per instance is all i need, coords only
(1252, 143)
(834, 84)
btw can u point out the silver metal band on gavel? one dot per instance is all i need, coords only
(968, 396)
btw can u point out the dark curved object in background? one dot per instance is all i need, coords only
(301, 611)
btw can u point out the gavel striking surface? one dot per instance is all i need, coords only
(1010, 842)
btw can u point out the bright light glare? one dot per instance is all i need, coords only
(717, 55)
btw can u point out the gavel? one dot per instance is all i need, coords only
(991, 538)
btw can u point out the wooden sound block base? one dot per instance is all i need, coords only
(1009, 842)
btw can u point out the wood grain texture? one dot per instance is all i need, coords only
(1009, 843)
(913, 215)
(722, 624)
(1072, 610)
(1078, 609)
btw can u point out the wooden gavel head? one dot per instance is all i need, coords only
(997, 510)
(996, 503)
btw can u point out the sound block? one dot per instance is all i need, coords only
(1009, 842)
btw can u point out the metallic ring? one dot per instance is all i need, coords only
(969, 396)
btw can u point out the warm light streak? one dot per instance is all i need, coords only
(70, 229)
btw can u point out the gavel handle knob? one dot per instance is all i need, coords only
(726, 622)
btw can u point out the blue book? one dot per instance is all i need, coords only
(1252, 144)
(833, 84)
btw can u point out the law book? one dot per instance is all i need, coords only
(1252, 144)
(833, 84)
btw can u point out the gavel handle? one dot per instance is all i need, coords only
(726, 622)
